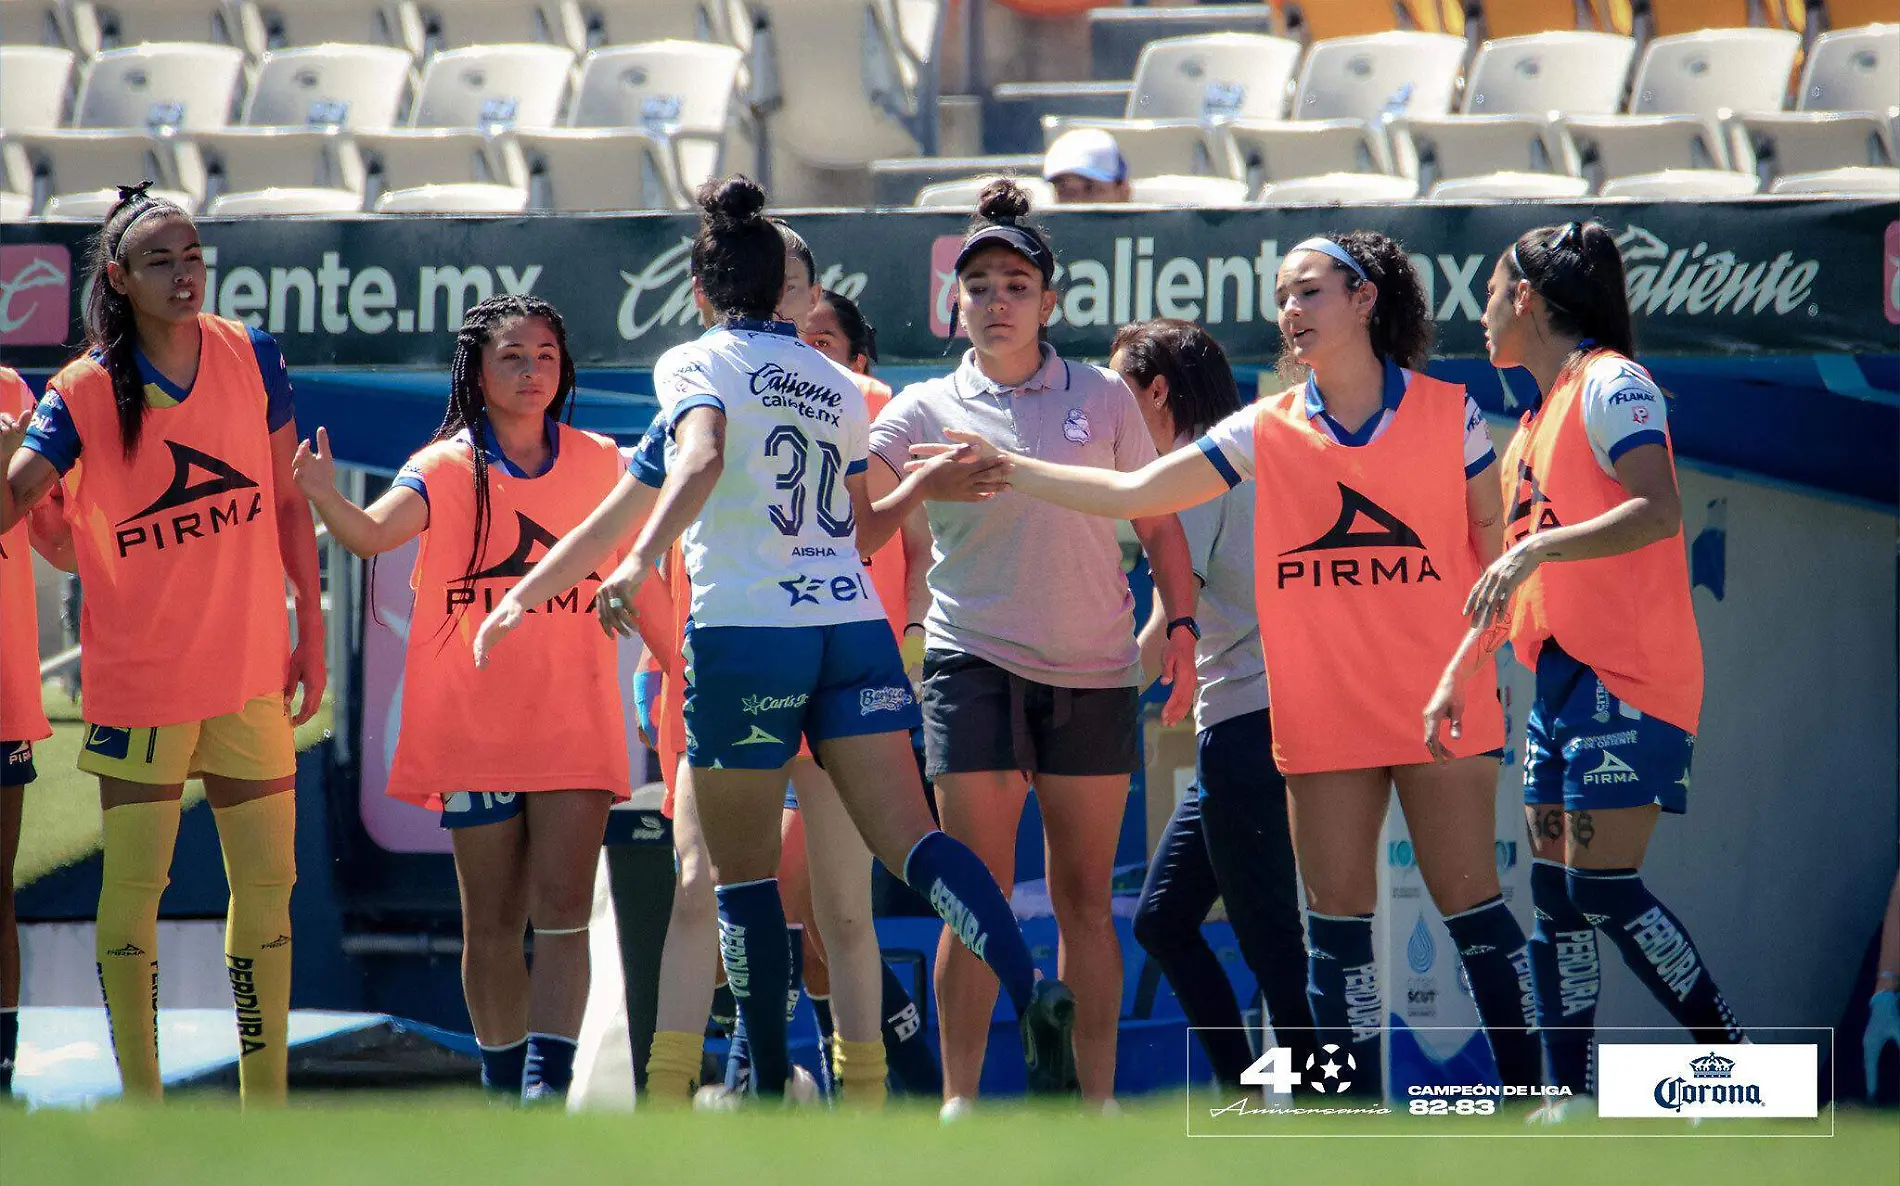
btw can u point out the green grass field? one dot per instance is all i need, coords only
(60, 823)
(457, 1139)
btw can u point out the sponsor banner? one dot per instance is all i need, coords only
(1664, 1082)
(1782, 277)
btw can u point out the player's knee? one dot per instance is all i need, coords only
(1153, 927)
(562, 906)
(1080, 903)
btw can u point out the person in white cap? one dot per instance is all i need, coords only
(1086, 165)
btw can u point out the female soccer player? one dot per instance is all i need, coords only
(786, 636)
(1228, 839)
(1031, 667)
(22, 716)
(1373, 506)
(836, 328)
(173, 436)
(1591, 476)
(523, 785)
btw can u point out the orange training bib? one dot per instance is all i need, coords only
(22, 716)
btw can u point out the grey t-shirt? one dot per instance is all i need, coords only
(1035, 589)
(1232, 673)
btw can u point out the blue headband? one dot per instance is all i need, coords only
(1325, 246)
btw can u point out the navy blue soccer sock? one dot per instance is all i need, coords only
(752, 942)
(10, 1044)
(1491, 947)
(502, 1068)
(913, 1068)
(1657, 947)
(1348, 1006)
(1568, 976)
(959, 888)
(548, 1070)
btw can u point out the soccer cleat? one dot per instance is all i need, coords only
(1048, 1028)
(960, 1107)
(801, 1089)
(714, 1097)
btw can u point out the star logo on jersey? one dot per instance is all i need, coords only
(1610, 770)
(804, 590)
(532, 542)
(1362, 523)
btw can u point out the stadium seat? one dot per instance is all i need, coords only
(1188, 191)
(1522, 18)
(839, 101)
(1845, 14)
(82, 164)
(463, 198)
(1117, 36)
(1152, 147)
(489, 85)
(1509, 187)
(458, 24)
(1852, 77)
(1685, 87)
(172, 85)
(1331, 189)
(1670, 18)
(243, 160)
(962, 195)
(583, 169)
(594, 23)
(1266, 151)
(682, 93)
(1218, 76)
(359, 85)
(1669, 185)
(282, 24)
(94, 205)
(1858, 179)
(112, 24)
(896, 182)
(38, 83)
(280, 200)
(1319, 20)
(1386, 73)
(15, 207)
(34, 22)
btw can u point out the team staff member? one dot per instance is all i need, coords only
(1595, 588)
(771, 548)
(1228, 839)
(22, 716)
(1031, 667)
(173, 437)
(1373, 506)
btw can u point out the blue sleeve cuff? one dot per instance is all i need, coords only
(1648, 436)
(688, 404)
(1224, 467)
(414, 482)
(857, 467)
(280, 407)
(646, 472)
(1473, 469)
(52, 433)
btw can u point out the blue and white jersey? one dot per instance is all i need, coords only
(1622, 408)
(776, 543)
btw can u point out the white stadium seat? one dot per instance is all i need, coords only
(1684, 185)
(361, 86)
(1216, 76)
(281, 200)
(962, 195)
(1400, 73)
(80, 165)
(34, 22)
(1331, 189)
(583, 169)
(1152, 147)
(1263, 151)
(94, 205)
(1509, 187)
(1852, 78)
(1860, 179)
(187, 87)
(38, 81)
(681, 92)
(1188, 191)
(457, 24)
(843, 84)
(240, 160)
(625, 22)
(15, 207)
(275, 24)
(112, 24)
(454, 199)
(488, 85)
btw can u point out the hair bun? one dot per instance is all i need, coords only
(1003, 200)
(733, 202)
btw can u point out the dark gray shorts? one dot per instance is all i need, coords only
(979, 717)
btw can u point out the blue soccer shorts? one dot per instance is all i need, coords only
(753, 691)
(472, 809)
(1590, 751)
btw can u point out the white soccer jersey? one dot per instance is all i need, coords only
(776, 544)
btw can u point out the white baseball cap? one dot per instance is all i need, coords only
(1086, 152)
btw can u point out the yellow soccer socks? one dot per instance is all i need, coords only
(860, 1069)
(673, 1067)
(136, 868)
(260, 862)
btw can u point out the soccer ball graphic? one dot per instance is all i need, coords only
(1328, 1068)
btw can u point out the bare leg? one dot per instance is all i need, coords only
(1082, 819)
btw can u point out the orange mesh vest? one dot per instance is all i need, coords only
(545, 714)
(1362, 559)
(1629, 618)
(888, 571)
(22, 717)
(183, 617)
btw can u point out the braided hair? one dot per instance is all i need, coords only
(468, 404)
(111, 329)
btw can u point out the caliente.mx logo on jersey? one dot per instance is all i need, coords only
(504, 574)
(1362, 523)
(197, 476)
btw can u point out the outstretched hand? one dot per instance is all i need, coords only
(314, 466)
